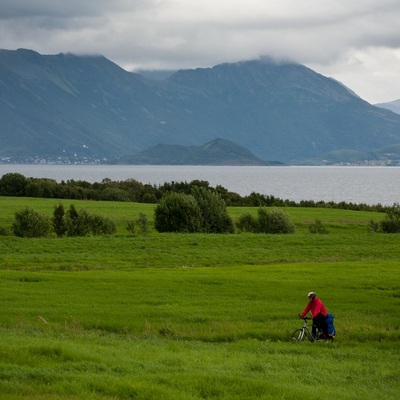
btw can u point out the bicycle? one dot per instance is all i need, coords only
(305, 333)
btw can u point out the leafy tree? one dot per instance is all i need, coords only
(29, 223)
(214, 215)
(59, 224)
(274, 221)
(178, 212)
(13, 184)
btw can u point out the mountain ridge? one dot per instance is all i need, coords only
(390, 105)
(70, 106)
(216, 152)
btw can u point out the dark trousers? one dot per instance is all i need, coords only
(319, 322)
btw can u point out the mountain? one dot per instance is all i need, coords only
(392, 106)
(216, 152)
(156, 74)
(66, 106)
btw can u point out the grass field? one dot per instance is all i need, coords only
(194, 316)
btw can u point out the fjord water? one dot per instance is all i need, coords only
(356, 184)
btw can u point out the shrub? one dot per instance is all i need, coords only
(99, 225)
(268, 221)
(391, 223)
(201, 211)
(177, 212)
(214, 215)
(29, 223)
(390, 226)
(83, 224)
(274, 221)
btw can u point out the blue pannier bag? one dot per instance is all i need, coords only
(331, 328)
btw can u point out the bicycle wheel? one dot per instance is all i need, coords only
(298, 334)
(302, 334)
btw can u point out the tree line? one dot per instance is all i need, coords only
(202, 210)
(131, 190)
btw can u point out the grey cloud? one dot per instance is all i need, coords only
(190, 33)
(16, 9)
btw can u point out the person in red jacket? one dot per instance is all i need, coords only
(318, 314)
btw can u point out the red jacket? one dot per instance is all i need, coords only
(316, 306)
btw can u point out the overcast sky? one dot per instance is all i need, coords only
(354, 41)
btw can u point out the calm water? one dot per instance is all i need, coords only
(370, 185)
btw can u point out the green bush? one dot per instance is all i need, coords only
(214, 215)
(390, 226)
(178, 212)
(84, 224)
(99, 225)
(267, 221)
(391, 223)
(29, 223)
(274, 221)
(201, 211)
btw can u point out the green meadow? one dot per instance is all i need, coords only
(197, 316)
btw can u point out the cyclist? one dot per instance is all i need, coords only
(318, 313)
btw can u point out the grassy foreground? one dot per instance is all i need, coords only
(176, 316)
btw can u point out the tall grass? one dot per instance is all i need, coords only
(173, 316)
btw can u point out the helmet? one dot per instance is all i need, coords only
(311, 295)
